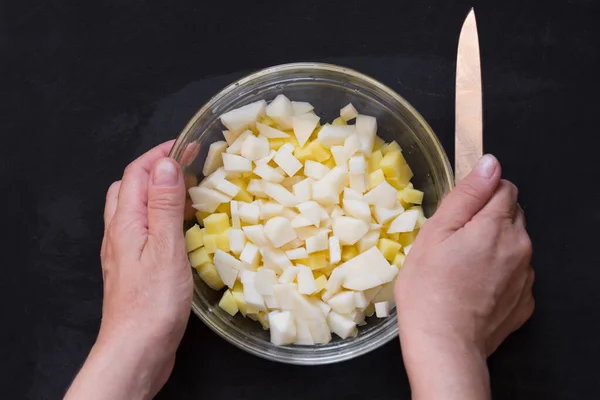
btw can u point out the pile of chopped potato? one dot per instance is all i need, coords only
(306, 225)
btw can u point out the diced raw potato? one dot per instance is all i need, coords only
(283, 328)
(270, 301)
(349, 230)
(392, 163)
(285, 295)
(303, 190)
(316, 243)
(337, 211)
(290, 181)
(193, 238)
(243, 194)
(352, 145)
(294, 244)
(349, 252)
(366, 127)
(275, 259)
(399, 260)
(339, 155)
(407, 249)
(334, 283)
(382, 309)
(250, 254)
(249, 212)
(270, 209)
(270, 132)
(360, 301)
(251, 295)
(255, 148)
(304, 125)
(199, 257)
(388, 248)
(256, 234)
(255, 187)
(288, 275)
(303, 335)
(342, 303)
(236, 146)
(312, 211)
(339, 122)
(228, 188)
(369, 240)
(235, 163)
(286, 160)
(384, 215)
(383, 195)
(280, 194)
(306, 280)
(410, 195)
(340, 325)
(357, 164)
(280, 110)
(358, 182)
(227, 266)
(212, 180)
(301, 107)
(404, 222)
(279, 231)
(222, 241)
(216, 223)
(331, 135)
(300, 221)
(357, 209)
(390, 147)
(210, 243)
(269, 174)
(209, 274)
(213, 158)
(265, 160)
(202, 195)
(315, 170)
(297, 254)
(367, 270)
(244, 117)
(371, 293)
(385, 294)
(235, 214)
(335, 252)
(348, 112)
(228, 304)
(237, 241)
(320, 281)
(230, 137)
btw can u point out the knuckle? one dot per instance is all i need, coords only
(524, 244)
(468, 191)
(113, 189)
(510, 188)
(165, 202)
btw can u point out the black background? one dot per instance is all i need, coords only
(88, 86)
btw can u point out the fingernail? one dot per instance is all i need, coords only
(165, 173)
(486, 166)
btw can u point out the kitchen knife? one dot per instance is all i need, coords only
(469, 121)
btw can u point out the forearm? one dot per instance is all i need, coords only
(445, 369)
(118, 369)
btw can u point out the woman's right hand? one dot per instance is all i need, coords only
(466, 285)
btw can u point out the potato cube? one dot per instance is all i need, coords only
(338, 121)
(193, 238)
(224, 208)
(410, 195)
(200, 215)
(393, 236)
(263, 318)
(399, 260)
(222, 241)
(318, 260)
(379, 143)
(199, 257)
(395, 182)
(216, 223)
(375, 178)
(210, 243)
(238, 296)
(228, 303)
(349, 252)
(405, 175)
(374, 161)
(389, 248)
(330, 163)
(392, 163)
(320, 281)
(390, 147)
(314, 151)
(267, 121)
(243, 194)
(276, 143)
(209, 274)
(407, 238)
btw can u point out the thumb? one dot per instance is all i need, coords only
(470, 195)
(166, 200)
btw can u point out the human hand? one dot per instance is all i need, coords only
(465, 286)
(147, 282)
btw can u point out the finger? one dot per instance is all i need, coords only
(503, 202)
(133, 196)
(166, 201)
(110, 207)
(470, 195)
(520, 221)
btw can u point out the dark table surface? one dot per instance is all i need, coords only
(88, 86)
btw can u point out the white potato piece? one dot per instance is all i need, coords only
(334, 283)
(264, 280)
(297, 254)
(244, 117)
(202, 195)
(351, 194)
(235, 163)
(318, 242)
(352, 145)
(342, 303)
(266, 159)
(255, 187)
(384, 215)
(235, 214)
(237, 240)
(280, 194)
(315, 170)
(212, 180)
(213, 158)
(306, 280)
(357, 164)
(280, 110)
(249, 212)
(227, 267)
(270, 209)
(303, 335)
(341, 326)
(312, 211)
(275, 259)
(407, 249)
(337, 211)
(339, 156)
(335, 251)
(303, 190)
(301, 107)
(255, 148)
(286, 160)
(348, 112)
(368, 241)
(228, 188)
(404, 222)
(382, 195)
(288, 275)
(358, 182)
(300, 221)
(357, 209)
(360, 300)
(367, 270)
(279, 231)
(349, 230)
(283, 327)
(268, 174)
(285, 295)
(236, 146)
(250, 254)
(385, 294)
(366, 127)
(256, 234)
(230, 137)
(382, 309)
(251, 295)
(270, 132)
(304, 125)
(335, 135)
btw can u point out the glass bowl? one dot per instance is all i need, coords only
(328, 88)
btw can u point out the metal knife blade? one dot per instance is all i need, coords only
(469, 120)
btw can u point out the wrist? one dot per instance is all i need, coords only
(445, 367)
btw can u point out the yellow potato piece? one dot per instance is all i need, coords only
(216, 223)
(228, 303)
(407, 238)
(267, 121)
(199, 257)
(238, 296)
(243, 194)
(338, 121)
(410, 195)
(330, 163)
(392, 163)
(375, 178)
(393, 236)
(374, 161)
(193, 238)
(317, 260)
(200, 215)
(209, 274)
(263, 318)
(349, 252)
(222, 241)
(395, 182)
(314, 151)
(399, 260)
(393, 146)
(406, 175)
(379, 143)
(320, 281)
(389, 248)
(276, 143)
(210, 243)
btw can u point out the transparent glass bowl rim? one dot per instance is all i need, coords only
(375, 339)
